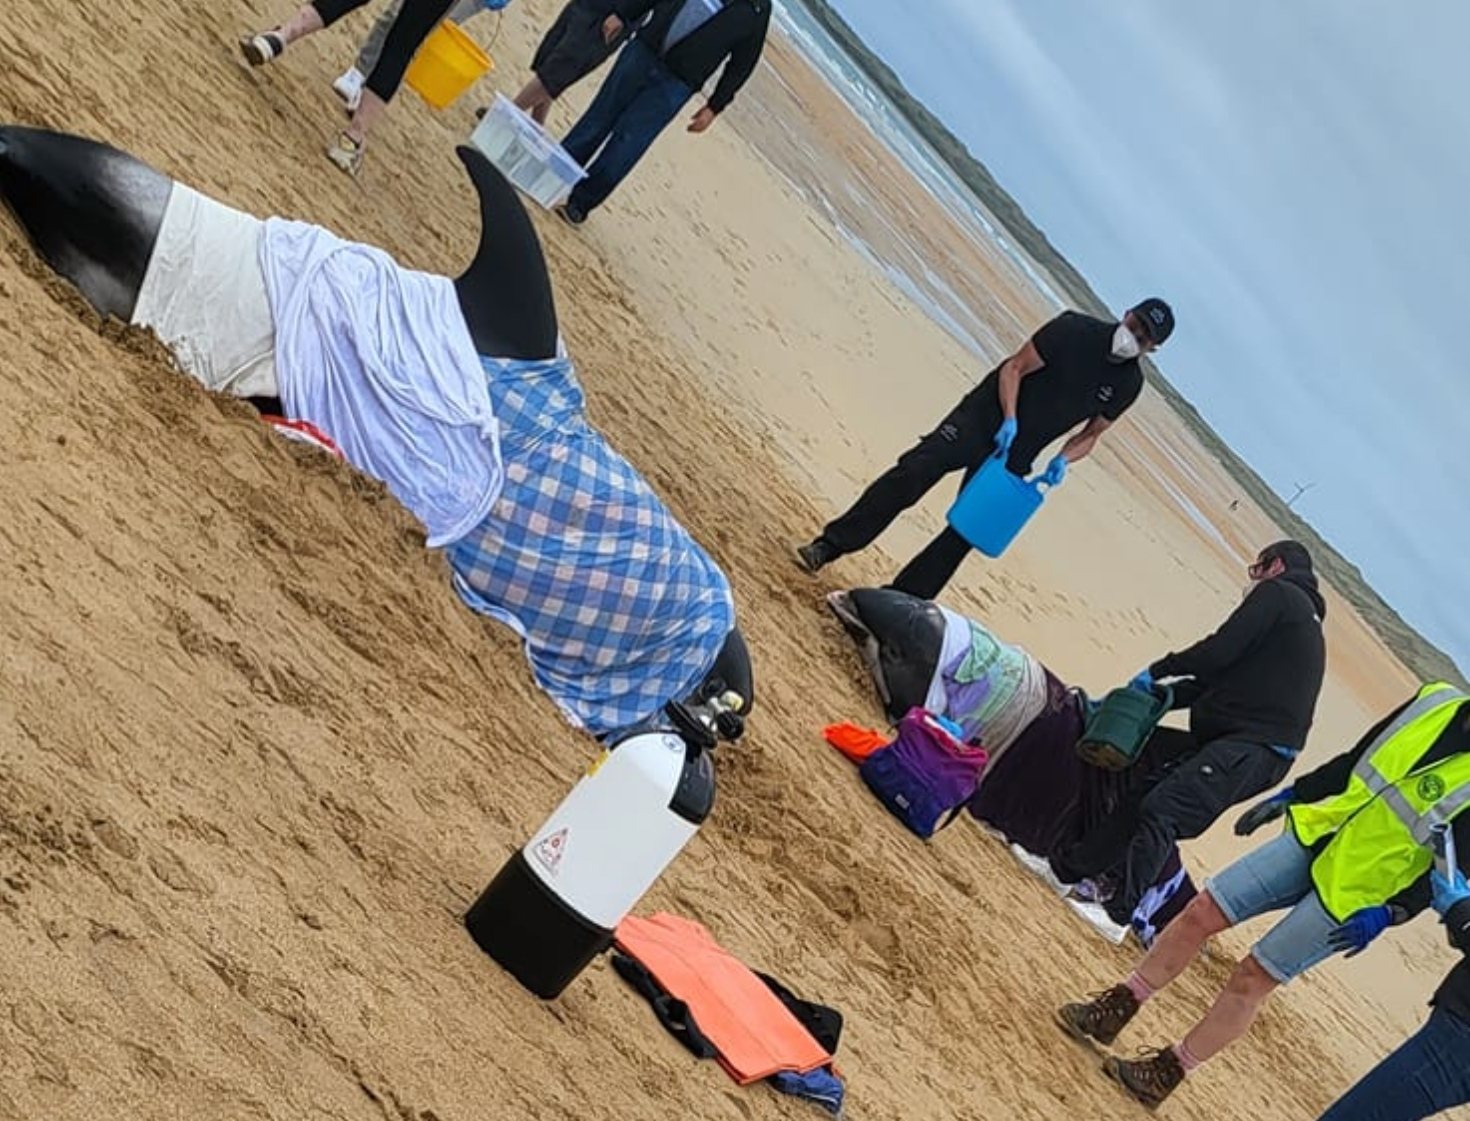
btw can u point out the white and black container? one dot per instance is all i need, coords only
(555, 904)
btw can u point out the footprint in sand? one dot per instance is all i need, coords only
(170, 868)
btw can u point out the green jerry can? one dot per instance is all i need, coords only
(1115, 734)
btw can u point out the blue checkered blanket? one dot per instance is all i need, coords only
(620, 607)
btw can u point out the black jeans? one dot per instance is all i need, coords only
(961, 443)
(1178, 791)
(415, 20)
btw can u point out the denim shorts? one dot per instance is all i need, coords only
(1275, 877)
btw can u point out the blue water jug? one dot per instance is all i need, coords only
(994, 506)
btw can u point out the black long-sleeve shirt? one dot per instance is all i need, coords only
(1332, 778)
(737, 32)
(1258, 676)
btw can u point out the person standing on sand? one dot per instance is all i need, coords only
(579, 41)
(1251, 689)
(412, 26)
(1076, 370)
(678, 49)
(1355, 858)
(1431, 1071)
(348, 85)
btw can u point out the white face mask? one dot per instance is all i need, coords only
(1125, 344)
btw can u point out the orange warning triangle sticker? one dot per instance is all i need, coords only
(550, 850)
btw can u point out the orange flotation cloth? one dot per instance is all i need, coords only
(755, 1034)
(854, 741)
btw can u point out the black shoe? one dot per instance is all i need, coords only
(816, 555)
(571, 214)
(1148, 1079)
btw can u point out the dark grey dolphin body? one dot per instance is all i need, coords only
(93, 213)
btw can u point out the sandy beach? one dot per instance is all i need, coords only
(255, 759)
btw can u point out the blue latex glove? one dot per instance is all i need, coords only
(1005, 435)
(1266, 810)
(494, 5)
(1056, 471)
(1448, 892)
(1143, 681)
(1355, 935)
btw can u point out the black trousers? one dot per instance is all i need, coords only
(1182, 789)
(962, 442)
(415, 20)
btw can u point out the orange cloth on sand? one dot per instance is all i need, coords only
(754, 1032)
(854, 741)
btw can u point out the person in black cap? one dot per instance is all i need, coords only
(1076, 370)
(1251, 689)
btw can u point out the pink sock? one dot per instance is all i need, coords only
(1186, 1058)
(1140, 988)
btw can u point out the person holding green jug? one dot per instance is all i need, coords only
(1372, 839)
(1251, 689)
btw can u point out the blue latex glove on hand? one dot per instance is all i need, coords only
(1056, 471)
(1266, 810)
(1448, 892)
(1355, 935)
(1143, 681)
(1005, 435)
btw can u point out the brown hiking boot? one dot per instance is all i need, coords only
(1150, 1078)
(1101, 1018)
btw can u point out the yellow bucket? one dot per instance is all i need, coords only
(448, 62)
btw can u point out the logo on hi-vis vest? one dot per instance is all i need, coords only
(1431, 788)
(548, 853)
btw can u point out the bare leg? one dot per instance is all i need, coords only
(534, 99)
(369, 109)
(1181, 941)
(306, 21)
(1233, 1012)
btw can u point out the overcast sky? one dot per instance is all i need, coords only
(1294, 178)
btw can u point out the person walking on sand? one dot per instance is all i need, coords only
(577, 43)
(348, 85)
(668, 59)
(1251, 688)
(1431, 1071)
(412, 26)
(1354, 859)
(1076, 370)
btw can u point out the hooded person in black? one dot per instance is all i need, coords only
(1251, 688)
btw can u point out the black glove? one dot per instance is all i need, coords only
(1262, 812)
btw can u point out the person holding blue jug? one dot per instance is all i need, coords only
(1077, 374)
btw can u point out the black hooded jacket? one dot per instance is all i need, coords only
(1258, 676)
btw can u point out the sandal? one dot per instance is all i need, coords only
(262, 48)
(347, 153)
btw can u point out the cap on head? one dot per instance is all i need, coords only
(1157, 318)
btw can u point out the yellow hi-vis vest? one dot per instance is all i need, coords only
(1381, 825)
